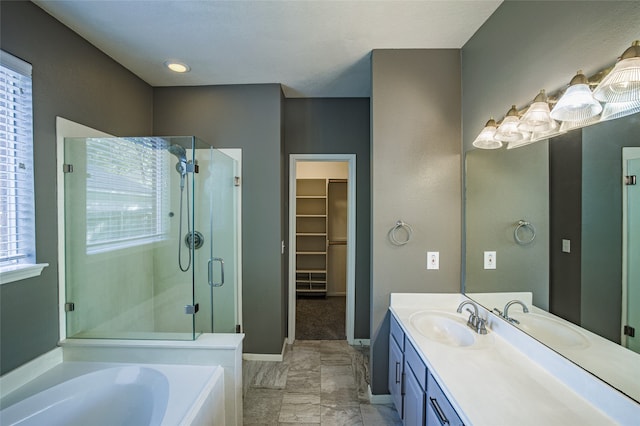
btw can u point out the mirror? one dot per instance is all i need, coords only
(570, 262)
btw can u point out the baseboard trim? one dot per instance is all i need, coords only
(267, 357)
(379, 399)
(361, 342)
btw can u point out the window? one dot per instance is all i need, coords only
(126, 201)
(17, 214)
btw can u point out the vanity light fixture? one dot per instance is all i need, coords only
(617, 87)
(508, 130)
(178, 67)
(537, 119)
(486, 138)
(622, 84)
(577, 103)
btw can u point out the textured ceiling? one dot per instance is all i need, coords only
(313, 48)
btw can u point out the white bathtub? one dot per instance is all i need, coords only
(90, 393)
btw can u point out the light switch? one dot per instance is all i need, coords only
(433, 260)
(566, 246)
(489, 260)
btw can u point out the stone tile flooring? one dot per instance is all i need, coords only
(319, 382)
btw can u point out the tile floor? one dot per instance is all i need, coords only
(319, 382)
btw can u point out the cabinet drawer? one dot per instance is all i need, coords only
(417, 366)
(396, 332)
(438, 406)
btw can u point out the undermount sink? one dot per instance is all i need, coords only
(550, 331)
(443, 327)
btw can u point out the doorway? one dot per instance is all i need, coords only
(631, 249)
(322, 245)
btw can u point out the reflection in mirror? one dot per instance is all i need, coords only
(571, 189)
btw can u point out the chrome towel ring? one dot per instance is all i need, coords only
(524, 225)
(393, 233)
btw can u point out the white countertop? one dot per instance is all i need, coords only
(615, 364)
(495, 382)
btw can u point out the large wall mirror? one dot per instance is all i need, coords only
(582, 265)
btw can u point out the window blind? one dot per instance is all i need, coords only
(17, 214)
(127, 199)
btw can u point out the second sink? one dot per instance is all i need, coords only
(550, 331)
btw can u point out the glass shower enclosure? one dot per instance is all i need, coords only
(150, 238)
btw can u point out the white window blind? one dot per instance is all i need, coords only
(127, 201)
(17, 217)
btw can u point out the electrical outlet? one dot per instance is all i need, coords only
(433, 260)
(489, 260)
(566, 246)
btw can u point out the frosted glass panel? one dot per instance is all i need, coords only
(122, 235)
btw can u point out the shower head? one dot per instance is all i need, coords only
(179, 152)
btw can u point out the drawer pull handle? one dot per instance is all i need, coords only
(397, 373)
(439, 412)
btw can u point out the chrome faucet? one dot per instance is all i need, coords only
(505, 313)
(479, 325)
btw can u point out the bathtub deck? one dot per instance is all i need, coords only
(187, 385)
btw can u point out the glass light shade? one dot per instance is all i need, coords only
(485, 139)
(537, 118)
(620, 109)
(577, 104)
(508, 130)
(622, 84)
(570, 125)
(553, 131)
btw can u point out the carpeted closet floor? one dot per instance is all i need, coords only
(320, 318)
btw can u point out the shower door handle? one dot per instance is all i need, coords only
(210, 268)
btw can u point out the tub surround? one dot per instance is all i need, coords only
(219, 349)
(211, 350)
(193, 394)
(509, 377)
(26, 372)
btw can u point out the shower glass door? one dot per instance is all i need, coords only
(216, 280)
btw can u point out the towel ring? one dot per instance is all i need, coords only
(393, 233)
(523, 224)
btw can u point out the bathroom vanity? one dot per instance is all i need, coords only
(416, 394)
(442, 372)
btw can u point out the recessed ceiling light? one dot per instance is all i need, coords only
(177, 66)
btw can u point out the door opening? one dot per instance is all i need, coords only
(321, 247)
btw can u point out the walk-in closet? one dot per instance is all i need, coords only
(321, 250)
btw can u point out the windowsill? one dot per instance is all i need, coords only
(20, 272)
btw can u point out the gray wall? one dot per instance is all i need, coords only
(565, 211)
(601, 297)
(72, 79)
(415, 169)
(503, 187)
(339, 126)
(247, 117)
